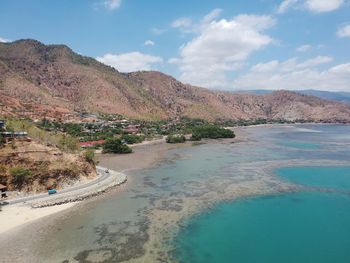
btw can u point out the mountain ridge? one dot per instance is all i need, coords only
(39, 80)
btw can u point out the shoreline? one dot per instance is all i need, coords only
(146, 155)
(165, 222)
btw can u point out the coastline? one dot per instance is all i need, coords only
(146, 155)
(166, 220)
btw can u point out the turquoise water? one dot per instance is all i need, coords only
(302, 227)
(294, 227)
(325, 177)
(302, 145)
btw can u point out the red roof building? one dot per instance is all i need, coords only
(91, 144)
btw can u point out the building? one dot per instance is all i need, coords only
(14, 134)
(91, 144)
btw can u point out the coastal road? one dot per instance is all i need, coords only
(103, 176)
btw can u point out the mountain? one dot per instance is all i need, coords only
(39, 80)
(339, 96)
(328, 95)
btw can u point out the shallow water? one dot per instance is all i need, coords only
(293, 227)
(140, 222)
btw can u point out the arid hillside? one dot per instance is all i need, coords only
(32, 167)
(39, 80)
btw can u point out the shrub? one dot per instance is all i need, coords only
(175, 138)
(19, 175)
(212, 132)
(115, 146)
(89, 156)
(131, 139)
(196, 136)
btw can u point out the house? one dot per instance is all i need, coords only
(16, 135)
(91, 144)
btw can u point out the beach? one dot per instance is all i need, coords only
(16, 216)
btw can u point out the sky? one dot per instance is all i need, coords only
(218, 44)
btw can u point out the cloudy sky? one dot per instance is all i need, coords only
(221, 44)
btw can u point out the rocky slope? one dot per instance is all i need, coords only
(39, 80)
(31, 167)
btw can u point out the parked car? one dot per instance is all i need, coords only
(52, 191)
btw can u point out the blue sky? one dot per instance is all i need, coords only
(221, 44)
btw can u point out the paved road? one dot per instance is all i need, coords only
(103, 176)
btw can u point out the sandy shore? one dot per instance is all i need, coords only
(14, 216)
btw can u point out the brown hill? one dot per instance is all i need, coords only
(30, 166)
(51, 80)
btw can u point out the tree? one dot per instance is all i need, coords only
(175, 138)
(196, 136)
(212, 132)
(131, 139)
(113, 145)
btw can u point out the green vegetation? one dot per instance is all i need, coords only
(210, 132)
(89, 156)
(132, 139)
(196, 136)
(232, 123)
(68, 143)
(115, 146)
(175, 138)
(63, 141)
(20, 175)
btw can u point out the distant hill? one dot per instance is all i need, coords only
(39, 80)
(327, 95)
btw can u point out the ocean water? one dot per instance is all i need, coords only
(294, 227)
(310, 225)
(328, 178)
(275, 198)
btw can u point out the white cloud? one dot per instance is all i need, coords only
(186, 25)
(211, 16)
(344, 31)
(320, 6)
(265, 67)
(315, 6)
(286, 4)
(4, 40)
(315, 62)
(112, 4)
(182, 22)
(296, 76)
(303, 48)
(222, 46)
(128, 62)
(173, 61)
(149, 43)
